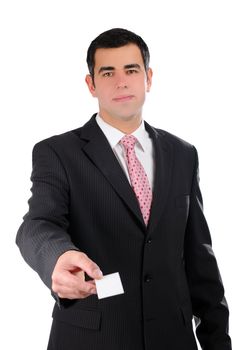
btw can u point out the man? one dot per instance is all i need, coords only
(118, 195)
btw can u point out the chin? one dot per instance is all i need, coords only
(132, 117)
(128, 116)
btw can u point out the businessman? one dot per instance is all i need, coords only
(118, 195)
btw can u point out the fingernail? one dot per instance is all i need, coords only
(97, 273)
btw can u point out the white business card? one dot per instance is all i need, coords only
(109, 286)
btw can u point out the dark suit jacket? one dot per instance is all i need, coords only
(81, 199)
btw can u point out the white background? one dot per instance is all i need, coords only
(42, 68)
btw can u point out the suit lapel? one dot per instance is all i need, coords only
(163, 160)
(100, 153)
(98, 150)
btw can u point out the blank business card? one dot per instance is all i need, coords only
(109, 286)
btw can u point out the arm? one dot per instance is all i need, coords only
(43, 237)
(206, 288)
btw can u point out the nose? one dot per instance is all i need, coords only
(121, 81)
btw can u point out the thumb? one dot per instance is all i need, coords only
(88, 266)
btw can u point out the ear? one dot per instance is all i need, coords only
(149, 79)
(90, 84)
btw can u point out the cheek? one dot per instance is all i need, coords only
(103, 95)
(140, 88)
(103, 89)
(140, 83)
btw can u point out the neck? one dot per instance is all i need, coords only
(127, 126)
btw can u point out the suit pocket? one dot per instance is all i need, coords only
(182, 201)
(90, 319)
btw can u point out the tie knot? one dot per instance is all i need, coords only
(128, 141)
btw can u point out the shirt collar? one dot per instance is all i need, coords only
(114, 135)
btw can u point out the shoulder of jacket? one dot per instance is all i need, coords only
(60, 139)
(176, 141)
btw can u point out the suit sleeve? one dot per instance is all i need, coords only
(206, 288)
(43, 235)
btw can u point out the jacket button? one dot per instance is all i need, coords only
(149, 240)
(147, 278)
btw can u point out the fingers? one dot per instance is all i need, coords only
(70, 286)
(81, 292)
(68, 278)
(82, 261)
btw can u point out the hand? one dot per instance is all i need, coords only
(68, 277)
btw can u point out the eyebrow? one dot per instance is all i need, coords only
(111, 68)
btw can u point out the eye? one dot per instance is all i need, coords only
(131, 71)
(107, 74)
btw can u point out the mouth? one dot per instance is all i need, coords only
(123, 98)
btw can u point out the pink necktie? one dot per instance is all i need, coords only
(138, 177)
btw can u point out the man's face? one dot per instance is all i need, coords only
(120, 82)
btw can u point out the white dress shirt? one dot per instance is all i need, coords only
(143, 148)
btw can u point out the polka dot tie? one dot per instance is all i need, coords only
(138, 176)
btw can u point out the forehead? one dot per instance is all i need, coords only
(118, 57)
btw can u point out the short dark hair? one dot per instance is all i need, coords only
(113, 38)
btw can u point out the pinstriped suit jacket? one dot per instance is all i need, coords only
(81, 199)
